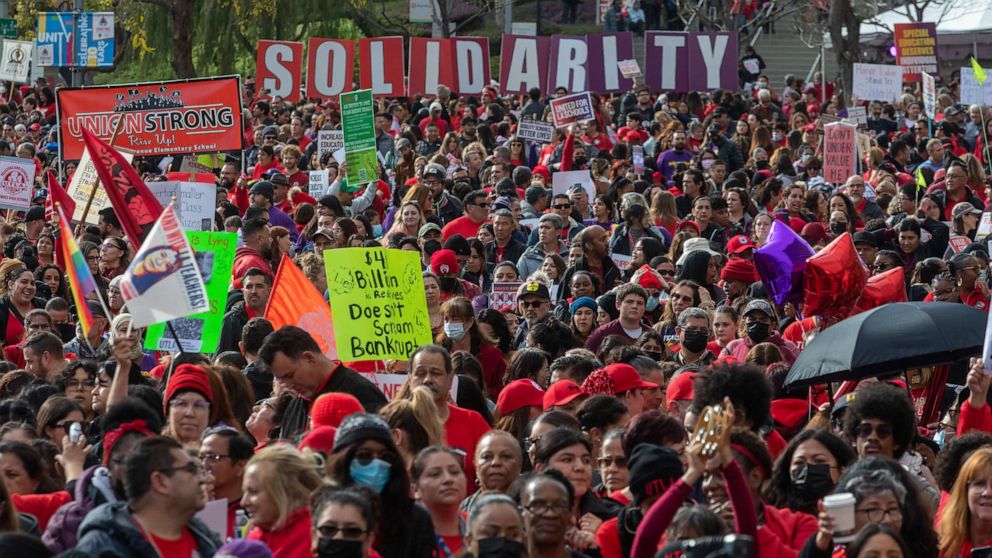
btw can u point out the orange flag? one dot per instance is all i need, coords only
(295, 301)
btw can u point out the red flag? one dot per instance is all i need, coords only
(135, 206)
(57, 194)
(294, 301)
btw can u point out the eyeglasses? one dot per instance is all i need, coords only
(876, 515)
(543, 508)
(610, 460)
(348, 533)
(182, 405)
(110, 245)
(365, 456)
(268, 138)
(190, 467)
(80, 384)
(482, 205)
(66, 426)
(865, 429)
(562, 206)
(263, 403)
(980, 485)
(212, 457)
(667, 272)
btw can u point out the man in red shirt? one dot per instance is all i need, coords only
(430, 367)
(476, 208)
(164, 489)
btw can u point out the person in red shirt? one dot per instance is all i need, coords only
(277, 487)
(972, 290)
(430, 366)
(434, 118)
(291, 156)
(266, 162)
(476, 208)
(165, 490)
(225, 453)
(439, 482)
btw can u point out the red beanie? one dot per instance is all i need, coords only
(543, 171)
(331, 408)
(649, 280)
(739, 269)
(187, 377)
(320, 439)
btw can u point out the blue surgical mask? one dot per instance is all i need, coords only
(652, 303)
(454, 330)
(374, 475)
(377, 230)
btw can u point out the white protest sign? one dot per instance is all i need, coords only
(195, 205)
(191, 165)
(972, 92)
(929, 95)
(16, 61)
(858, 115)
(535, 130)
(329, 141)
(562, 181)
(16, 182)
(82, 184)
(984, 226)
(318, 183)
(389, 384)
(214, 516)
(629, 69)
(877, 82)
(621, 261)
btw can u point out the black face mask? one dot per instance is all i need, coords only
(762, 165)
(579, 161)
(431, 246)
(499, 547)
(655, 355)
(838, 227)
(695, 341)
(448, 284)
(338, 548)
(758, 331)
(813, 480)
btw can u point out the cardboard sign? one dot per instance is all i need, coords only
(329, 141)
(358, 127)
(504, 294)
(864, 145)
(858, 115)
(572, 108)
(929, 95)
(84, 180)
(278, 68)
(916, 49)
(683, 62)
(160, 118)
(972, 92)
(840, 156)
(535, 130)
(877, 82)
(563, 180)
(629, 68)
(15, 63)
(329, 67)
(195, 202)
(16, 182)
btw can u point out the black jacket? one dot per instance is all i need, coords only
(230, 330)
(611, 274)
(511, 253)
(342, 380)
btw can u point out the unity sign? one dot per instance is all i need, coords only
(674, 61)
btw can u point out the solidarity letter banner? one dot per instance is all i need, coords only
(606, 52)
(329, 67)
(377, 298)
(877, 82)
(916, 49)
(523, 63)
(682, 62)
(278, 67)
(430, 65)
(160, 118)
(381, 68)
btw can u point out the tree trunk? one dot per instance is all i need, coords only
(181, 14)
(847, 49)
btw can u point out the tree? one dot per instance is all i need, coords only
(726, 15)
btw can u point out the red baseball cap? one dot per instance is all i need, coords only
(519, 394)
(686, 224)
(739, 243)
(562, 393)
(680, 388)
(626, 378)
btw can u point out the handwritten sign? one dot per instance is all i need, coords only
(840, 156)
(535, 130)
(972, 92)
(629, 69)
(84, 180)
(572, 108)
(562, 181)
(929, 95)
(317, 182)
(877, 82)
(378, 301)
(916, 49)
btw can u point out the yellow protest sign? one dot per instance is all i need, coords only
(378, 301)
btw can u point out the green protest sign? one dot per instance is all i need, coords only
(214, 253)
(358, 125)
(378, 302)
(8, 28)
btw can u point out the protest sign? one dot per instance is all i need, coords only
(381, 66)
(15, 63)
(84, 180)
(864, 145)
(16, 182)
(984, 226)
(929, 95)
(160, 118)
(535, 130)
(200, 333)
(683, 62)
(358, 129)
(572, 108)
(973, 92)
(329, 141)
(318, 181)
(629, 68)
(390, 384)
(378, 301)
(196, 202)
(840, 156)
(916, 49)
(76, 39)
(278, 68)
(563, 180)
(504, 294)
(858, 115)
(622, 261)
(329, 67)
(877, 82)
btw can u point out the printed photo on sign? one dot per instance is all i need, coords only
(503, 294)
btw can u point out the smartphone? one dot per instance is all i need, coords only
(638, 159)
(75, 432)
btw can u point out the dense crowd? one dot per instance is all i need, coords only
(565, 422)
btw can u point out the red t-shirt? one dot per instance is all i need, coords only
(462, 431)
(180, 548)
(463, 226)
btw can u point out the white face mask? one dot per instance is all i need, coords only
(454, 330)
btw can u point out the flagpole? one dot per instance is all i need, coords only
(99, 299)
(89, 201)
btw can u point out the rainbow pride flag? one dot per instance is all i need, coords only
(81, 280)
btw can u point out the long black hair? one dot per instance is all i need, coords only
(781, 492)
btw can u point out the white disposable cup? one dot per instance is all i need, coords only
(841, 507)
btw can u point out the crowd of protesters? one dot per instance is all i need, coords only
(558, 425)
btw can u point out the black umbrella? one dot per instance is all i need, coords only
(891, 338)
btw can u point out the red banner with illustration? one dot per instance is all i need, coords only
(160, 118)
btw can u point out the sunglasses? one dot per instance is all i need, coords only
(347, 533)
(609, 460)
(865, 429)
(531, 303)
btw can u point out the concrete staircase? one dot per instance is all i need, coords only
(785, 53)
